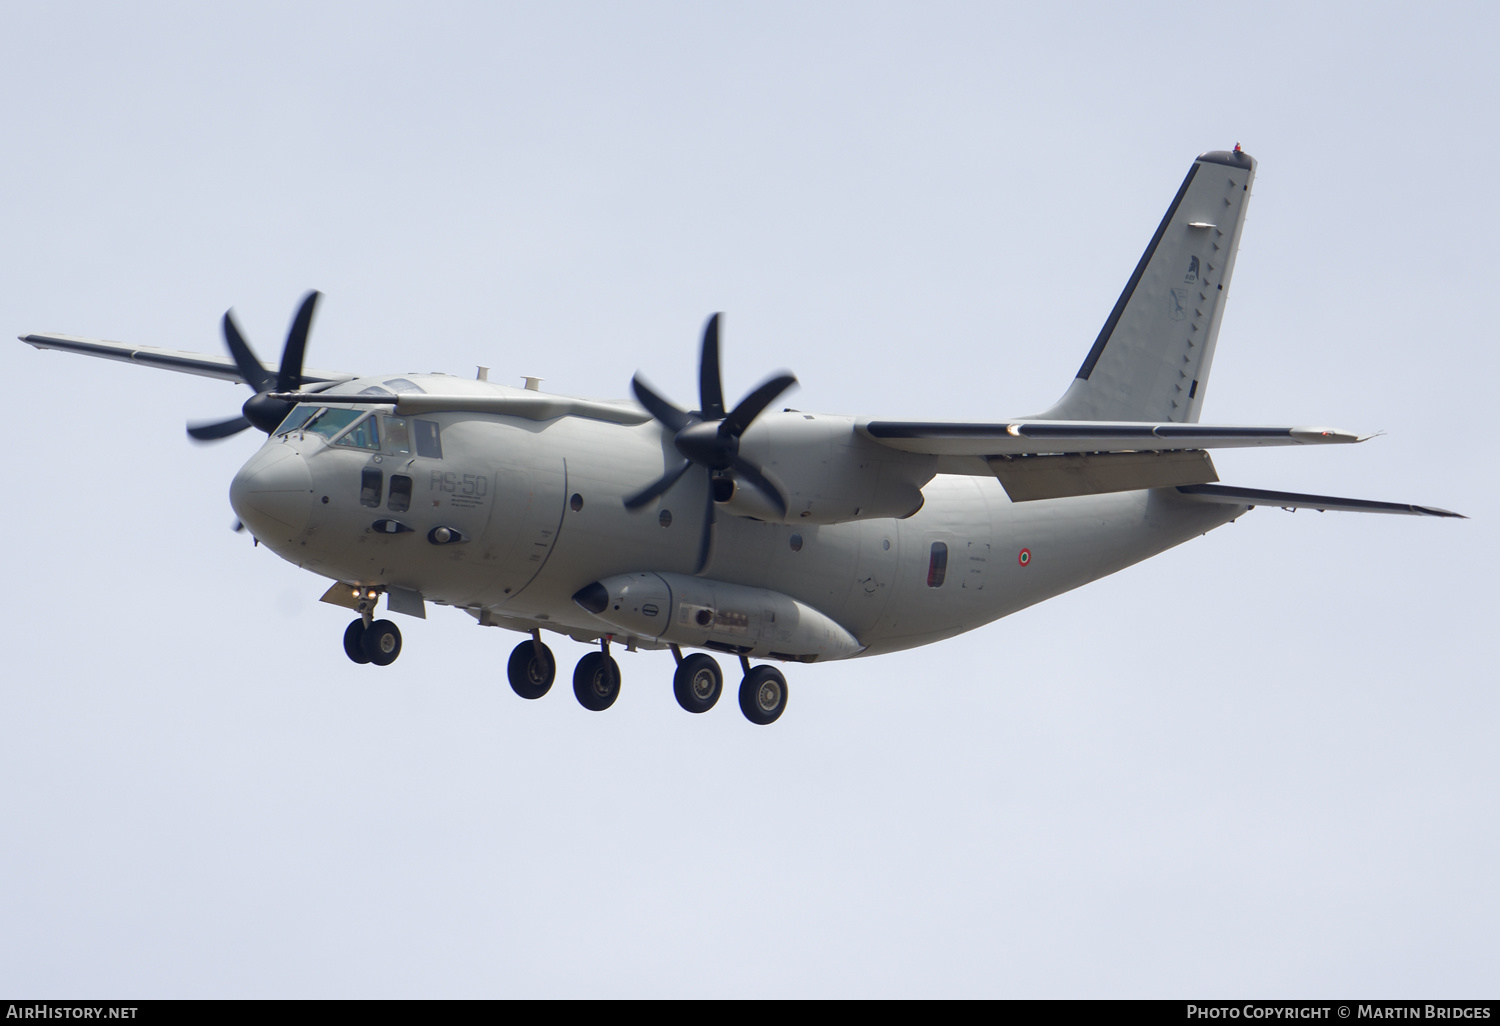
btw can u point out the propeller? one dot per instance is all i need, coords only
(261, 410)
(709, 437)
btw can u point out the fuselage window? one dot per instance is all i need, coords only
(371, 480)
(428, 442)
(397, 436)
(363, 435)
(937, 566)
(296, 418)
(400, 500)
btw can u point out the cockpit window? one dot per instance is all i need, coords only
(296, 418)
(403, 385)
(397, 436)
(330, 422)
(429, 444)
(363, 435)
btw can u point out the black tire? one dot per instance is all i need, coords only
(763, 695)
(354, 634)
(596, 682)
(698, 683)
(381, 642)
(532, 670)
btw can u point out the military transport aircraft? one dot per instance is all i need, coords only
(756, 533)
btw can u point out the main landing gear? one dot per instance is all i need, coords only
(697, 684)
(532, 668)
(762, 694)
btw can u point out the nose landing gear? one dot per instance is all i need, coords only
(368, 640)
(378, 643)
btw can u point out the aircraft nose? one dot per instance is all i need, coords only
(273, 492)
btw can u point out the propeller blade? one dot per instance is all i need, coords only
(663, 483)
(659, 408)
(290, 378)
(710, 381)
(220, 429)
(755, 403)
(256, 376)
(748, 473)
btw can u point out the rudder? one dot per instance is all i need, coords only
(1152, 357)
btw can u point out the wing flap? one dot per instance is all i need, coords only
(1027, 478)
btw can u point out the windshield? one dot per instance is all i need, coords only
(330, 422)
(295, 419)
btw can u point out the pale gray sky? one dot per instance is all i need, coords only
(1261, 764)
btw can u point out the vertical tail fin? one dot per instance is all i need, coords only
(1152, 357)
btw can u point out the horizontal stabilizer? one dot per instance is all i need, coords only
(1027, 478)
(1295, 500)
(1024, 438)
(222, 367)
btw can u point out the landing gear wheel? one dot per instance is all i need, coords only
(698, 683)
(381, 643)
(532, 670)
(763, 695)
(596, 682)
(354, 634)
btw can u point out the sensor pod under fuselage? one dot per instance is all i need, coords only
(703, 613)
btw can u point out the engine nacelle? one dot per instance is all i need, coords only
(828, 471)
(701, 613)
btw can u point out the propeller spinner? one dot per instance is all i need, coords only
(261, 410)
(709, 437)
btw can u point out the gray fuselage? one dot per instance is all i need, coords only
(535, 512)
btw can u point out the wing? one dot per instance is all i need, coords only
(222, 367)
(1054, 459)
(510, 402)
(1034, 438)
